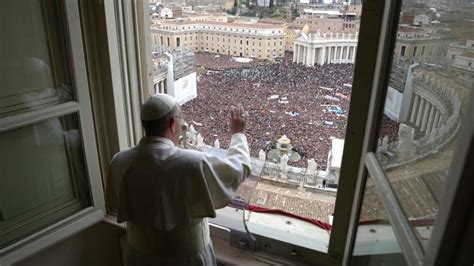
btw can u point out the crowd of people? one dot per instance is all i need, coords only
(219, 62)
(307, 104)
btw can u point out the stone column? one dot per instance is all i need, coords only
(303, 53)
(424, 120)
(310, 56)
(299, 58)
(419, 113)
(414, 108)
(354, 54)
(294, 52)
(441, 120)
(437, 120)
(307, 55)
(330, 55)
(322, 55)
(429, 127)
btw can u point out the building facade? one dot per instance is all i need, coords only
(255, 40)
(311, 49)
(419, 45)
(325, 24)
(174, 73)
(460, 57)
(292, 31)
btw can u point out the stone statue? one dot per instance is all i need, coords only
(384, 145)
(217, 144)
(200, 141)
(406, 148)
(262, 155)
(192, 135)
(312, 167)
(284, 163)
(301, 187)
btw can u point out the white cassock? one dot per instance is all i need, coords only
(165, 193)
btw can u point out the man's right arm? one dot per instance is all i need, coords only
(223, 175)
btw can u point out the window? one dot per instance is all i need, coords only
(402, 51)
(285, 243)
(50, 172)
(411, 160)
(178, 42)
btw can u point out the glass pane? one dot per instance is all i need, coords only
(43, 176)
(430, 82)
(375, 243)
(34, 70)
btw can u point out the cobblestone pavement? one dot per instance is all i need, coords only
(418, 185)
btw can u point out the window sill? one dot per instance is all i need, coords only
(275, 226)
(50, 235)
(225, 253)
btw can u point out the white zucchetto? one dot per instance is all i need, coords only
(157, 106)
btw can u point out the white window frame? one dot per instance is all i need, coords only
(376, 39)
(440, 249)
(89, 215)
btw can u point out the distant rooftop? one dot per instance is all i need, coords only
(470, 55)
(215, 23)
(403, 29)
(272, 21)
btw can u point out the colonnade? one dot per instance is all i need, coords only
(324, 54)
(425, 116)
(160, 86)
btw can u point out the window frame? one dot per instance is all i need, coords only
(82, 107)
(129, 70)
(373, 62)
(374, 13)
(440, 250)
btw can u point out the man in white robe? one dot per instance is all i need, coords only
(166, 193)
